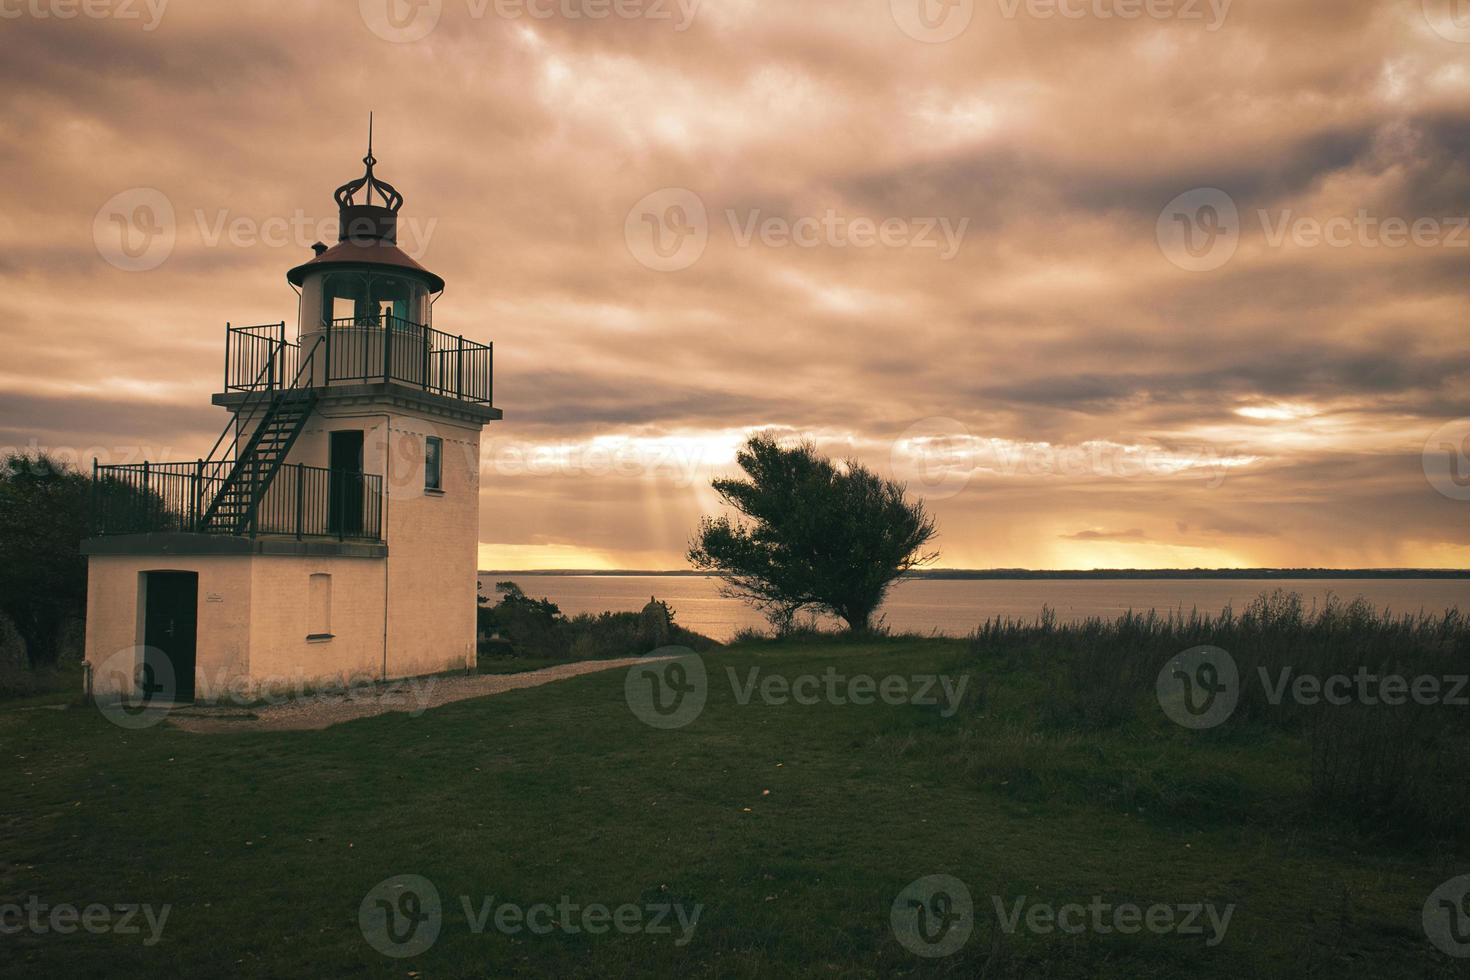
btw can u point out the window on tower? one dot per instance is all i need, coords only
(319, 607)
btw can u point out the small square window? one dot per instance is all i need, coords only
(433, 463)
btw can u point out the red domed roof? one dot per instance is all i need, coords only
(364, 251)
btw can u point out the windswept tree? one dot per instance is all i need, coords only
(811, 534)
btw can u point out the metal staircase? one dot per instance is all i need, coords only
(274, 415)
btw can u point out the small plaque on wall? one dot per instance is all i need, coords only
(214, 597)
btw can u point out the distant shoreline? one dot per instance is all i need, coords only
(1021, 574)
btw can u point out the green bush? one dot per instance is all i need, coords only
(520, 626)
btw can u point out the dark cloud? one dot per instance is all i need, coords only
(1311, 376)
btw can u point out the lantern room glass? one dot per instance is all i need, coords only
(365, 297)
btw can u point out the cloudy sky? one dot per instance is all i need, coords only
(1130, 283)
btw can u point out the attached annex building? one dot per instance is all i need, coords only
(332, 532)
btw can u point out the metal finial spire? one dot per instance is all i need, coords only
(369, 158)
(369, 182)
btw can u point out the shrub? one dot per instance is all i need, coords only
(537, 628)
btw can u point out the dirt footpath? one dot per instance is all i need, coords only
(414, 695)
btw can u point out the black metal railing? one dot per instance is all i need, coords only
(364, 348)
(259, 358)
(302, 501)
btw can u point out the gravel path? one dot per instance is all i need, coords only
(413, 695)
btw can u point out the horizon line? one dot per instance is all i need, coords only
(1317, 571)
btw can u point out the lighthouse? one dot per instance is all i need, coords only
(331, 532)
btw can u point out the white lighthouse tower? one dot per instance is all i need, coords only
(332, 532)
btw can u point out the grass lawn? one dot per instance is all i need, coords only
(265, 845)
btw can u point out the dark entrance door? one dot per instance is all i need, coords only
(170, 620)
(344, 500)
